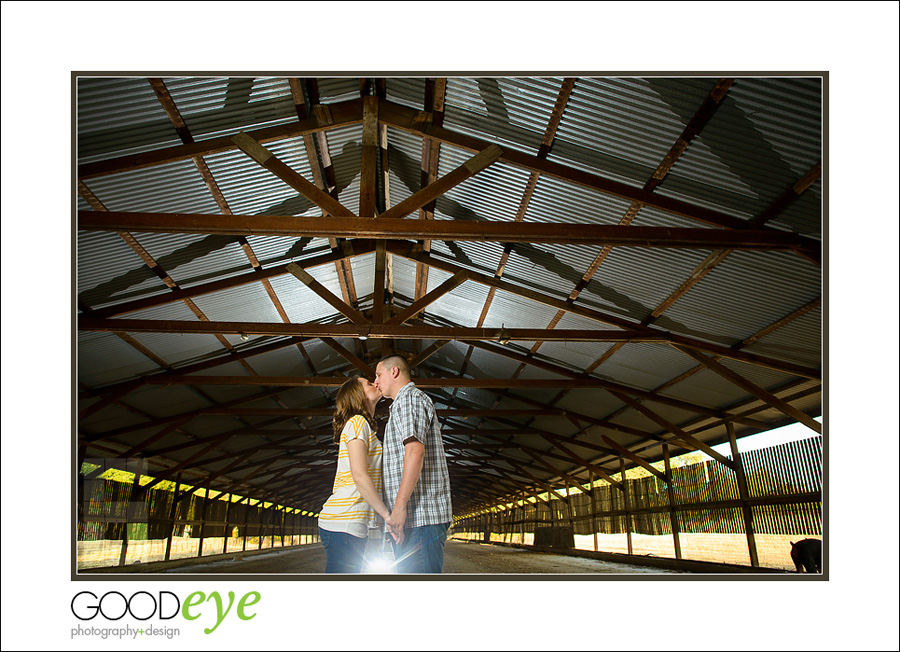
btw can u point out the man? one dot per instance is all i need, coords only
(416, 481)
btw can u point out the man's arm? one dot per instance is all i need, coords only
(413, 459)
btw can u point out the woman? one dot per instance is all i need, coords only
(349, 513)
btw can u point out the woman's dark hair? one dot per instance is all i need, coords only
(350, 400)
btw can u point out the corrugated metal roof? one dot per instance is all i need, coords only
(800, 340)
(220, 106)
(732, 165)
(119, 116)
(338, 89)
(97, 255)
(408, 91)
(243, 303)
(743, 295)
(805, 215)
(622, 128)
(404, 164)
(301, 304)
(493, 194)
(181, 349)
(173, 188)
(345, 149)
(104, 358)
(481, 257)
(250, 189)
(195, 259)
(634, 281)
(556, 200)
(509, 111)
(519, 311)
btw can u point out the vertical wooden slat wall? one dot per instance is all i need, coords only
(164, 524)
(776, 490)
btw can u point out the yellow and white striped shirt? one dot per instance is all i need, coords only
(346, 510)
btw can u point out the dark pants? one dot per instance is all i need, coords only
(422, 551)
(344, 553)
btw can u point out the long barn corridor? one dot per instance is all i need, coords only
(459, 558)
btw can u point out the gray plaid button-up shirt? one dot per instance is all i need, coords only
(412, 415)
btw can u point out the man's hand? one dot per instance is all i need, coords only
(395, 524)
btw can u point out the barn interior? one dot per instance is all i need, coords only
(588, 275)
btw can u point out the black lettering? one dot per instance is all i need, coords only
(131, 610)
(106, 595)
(177, 603)
(94, 607)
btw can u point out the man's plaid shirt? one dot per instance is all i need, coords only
(412, 415)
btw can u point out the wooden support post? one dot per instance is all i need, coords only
(225, 536)
(378, 291)
(203, 516)
(744, 494)
(625, 492)
(246, 529)
(522, 521)
(130, 507)
(172, 513)
(368, 172)
(673, 516)
(82, 452)
(593, 510)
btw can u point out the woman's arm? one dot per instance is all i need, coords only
(359, 468)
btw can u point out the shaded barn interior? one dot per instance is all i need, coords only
(588, 275)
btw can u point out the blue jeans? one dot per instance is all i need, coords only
(422, 551)
(344, 553)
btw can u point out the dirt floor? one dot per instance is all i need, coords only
(459, 558)
(773, 550)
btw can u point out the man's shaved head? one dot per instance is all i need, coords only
(396, 360)
(386, 379)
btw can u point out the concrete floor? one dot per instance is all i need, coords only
(459, 558)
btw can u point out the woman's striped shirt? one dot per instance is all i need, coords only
(346, 510)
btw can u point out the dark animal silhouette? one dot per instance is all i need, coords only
(807, 555)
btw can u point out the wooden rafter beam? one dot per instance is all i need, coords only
(325, 294)
(434, 190)
(252, 148)
(688, 440)
(609, 385)
(408, 120)
(605, 318)
(418, 306)
(162, 421)
(348, 250)
(536, 480)
(635, 458)
(373, 331)
(427, 353)
(349, 356)
(752, 388)
(232, 356)
(337, 381)
(700, 119)
(386, 228)
(580, 460)
(339, 114)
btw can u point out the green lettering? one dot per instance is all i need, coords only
(219, 615)
(245, 603)
(190, 602)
